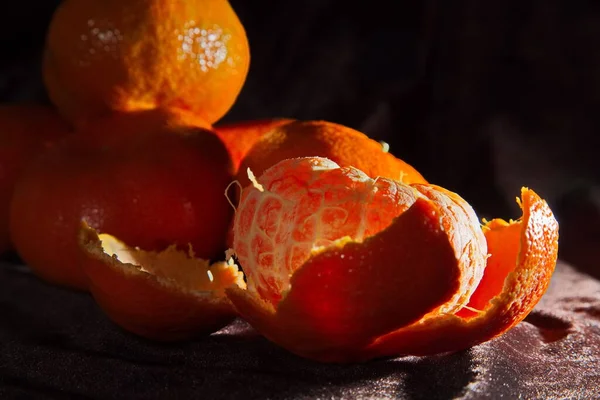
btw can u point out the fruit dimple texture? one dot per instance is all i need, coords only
(108, 55)
(303, 206)
(343, 145)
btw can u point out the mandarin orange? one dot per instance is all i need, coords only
(239, 137)
(153, 186)
(345, 146)
(342, 267)
(26, 130)
(104, 55)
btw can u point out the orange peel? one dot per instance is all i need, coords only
(168, 295)
(522, 259)
(423, 277)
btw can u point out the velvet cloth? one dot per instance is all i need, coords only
(56, 343)
(481, 97)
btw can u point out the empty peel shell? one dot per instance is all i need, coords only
(155, 305)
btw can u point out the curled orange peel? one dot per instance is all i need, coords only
(522, 259)
(166, 296)
(407, 289)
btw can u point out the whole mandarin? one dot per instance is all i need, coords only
(130, 55)
(154, 186)
(239, 137)
(345, 146)
(26, 130)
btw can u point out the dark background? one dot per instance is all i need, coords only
(481, 97)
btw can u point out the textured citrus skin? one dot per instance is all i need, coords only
(404, 276)
(26, 130)
(104, 55)
(524, 254)
(345, 146)
(151, 188)
(168, 303)
(239, 137)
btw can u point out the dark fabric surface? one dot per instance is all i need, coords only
(56, 343)
(482, 97)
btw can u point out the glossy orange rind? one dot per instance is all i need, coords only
(341, 144)
(166, 296)
(239, 137)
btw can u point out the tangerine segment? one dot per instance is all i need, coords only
(168, 295)
(523, 258)
(134, 55)
(346, 295)
(345, 146)
(239, 137)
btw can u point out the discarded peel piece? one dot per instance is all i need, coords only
(337, 263)
(523, 257)
(166, 296)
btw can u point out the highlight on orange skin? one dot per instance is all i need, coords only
(239, 137)
(166, 296)
(115, 55)
(148, 181)
(26, 131)
(343, 145)
(406, 287)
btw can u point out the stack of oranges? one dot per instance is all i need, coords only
(345, 252)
